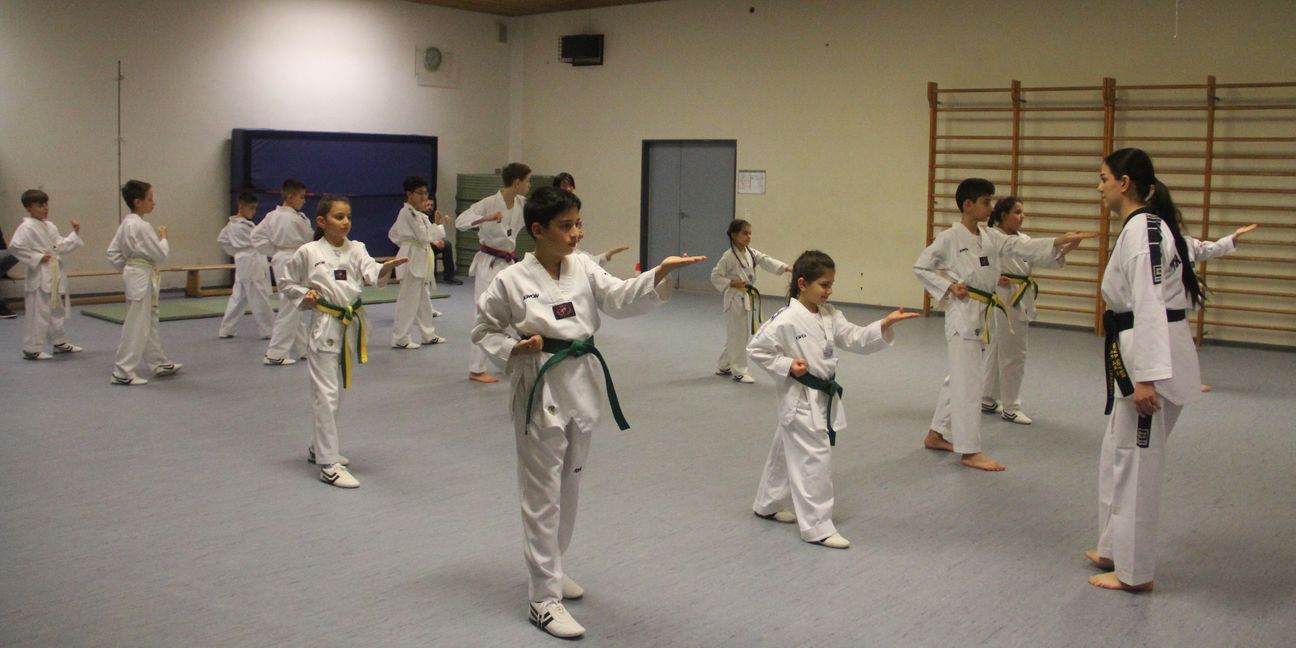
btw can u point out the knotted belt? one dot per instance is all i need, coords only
(55, 279)
(1024, 282)
(1113, 324)
(346, 315)
(157, 276)
(563, 349)
(757, 308)
(430, 265)
(991, 300)
(829, 387)
(503, 255)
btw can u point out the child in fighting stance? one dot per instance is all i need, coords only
(39, 247)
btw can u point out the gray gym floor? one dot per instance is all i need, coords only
(183, 513)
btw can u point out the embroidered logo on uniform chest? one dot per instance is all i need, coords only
(530, 296)
(802, 336)
(320, 263)
(340, 274)
(564, 310)
(985, 261)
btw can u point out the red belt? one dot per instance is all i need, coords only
(498, 254)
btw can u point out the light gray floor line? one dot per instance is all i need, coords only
(184, 512)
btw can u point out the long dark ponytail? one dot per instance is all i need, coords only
(811, 265)
(1136, 164)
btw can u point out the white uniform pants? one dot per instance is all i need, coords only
(958, 408)
(549, 466)
(477, 360)
(140, 341)
(291, 326)
(43, 323)
(737, 334)
(326, 397)
(413, 311)
(1005, 360)
(799, 470)
(256, 295)
(1129, 489)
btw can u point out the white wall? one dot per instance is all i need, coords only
(830, 99)
(196, 70)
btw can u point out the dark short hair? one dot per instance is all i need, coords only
(513, 172)
(292, 186)
(972, 189)
(134, 190)
(34, 197)
(414, 183)
(248, 197)
(545, 204)
(564, 177)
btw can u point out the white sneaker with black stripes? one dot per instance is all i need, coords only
(338, 475)
(67, 347)
(990, 406)
(277, 362)
(36, 355)
(168, 369)
(128, 381)
(553, 618)
(1019, 417)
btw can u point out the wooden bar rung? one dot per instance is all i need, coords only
(1254, 293)
(1253, 309)
(1067, 309)
(1248, 275)
(1265, 327)
(1064, 293)
(1064, 278)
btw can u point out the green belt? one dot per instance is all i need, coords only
(829, 387)
(758, 309)
(346, 315)
(1025, 282)
(991, 300)
(563, 349)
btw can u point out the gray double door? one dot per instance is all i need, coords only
(688, 202)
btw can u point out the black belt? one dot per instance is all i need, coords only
(1113, 324)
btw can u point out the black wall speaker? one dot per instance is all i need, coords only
(583, 49)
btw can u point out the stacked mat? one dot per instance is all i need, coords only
(472, 187)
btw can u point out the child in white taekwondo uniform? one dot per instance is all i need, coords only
(1149, 284)
(961, 269)
(798, 347)
(553, 299)
(328, 276)
(415, 234)
(735, 277)
(1200, 251)
(137, 250)
(1005, 356)
(39, 247)
(285, 229)
(497, 219)
(251, 271)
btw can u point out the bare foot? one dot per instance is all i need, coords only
(980, 461)
(1205, 388)
(482, 377)
(1111, 582)
(1099, 561)
(935, 441)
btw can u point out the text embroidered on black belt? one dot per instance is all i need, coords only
(1143, 434)
(1114, 364)
(757, 308)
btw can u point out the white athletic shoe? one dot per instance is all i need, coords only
(39, 355)
(128, 381)
(744, 379)
(436, 339)
(225, 337)
(67, 347)
(990, 407)
(553, 618)
(310, 456)
(724, 372)
(168, 369)
(339, 476)
(834, 541)
(784, 517)
(1018, 417)
(572, 591)
(407, 345)
(437, 313)
(277, 361)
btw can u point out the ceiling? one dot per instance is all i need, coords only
(527, 7)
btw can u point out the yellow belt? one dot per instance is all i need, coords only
(55, 277)
(1024, 283)
(346, 315)
(431, 261)
(991, 300)
(157, 276)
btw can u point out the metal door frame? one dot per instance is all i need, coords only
(643, 186)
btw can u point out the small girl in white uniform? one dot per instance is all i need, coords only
(798, 347)
(735, 277)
